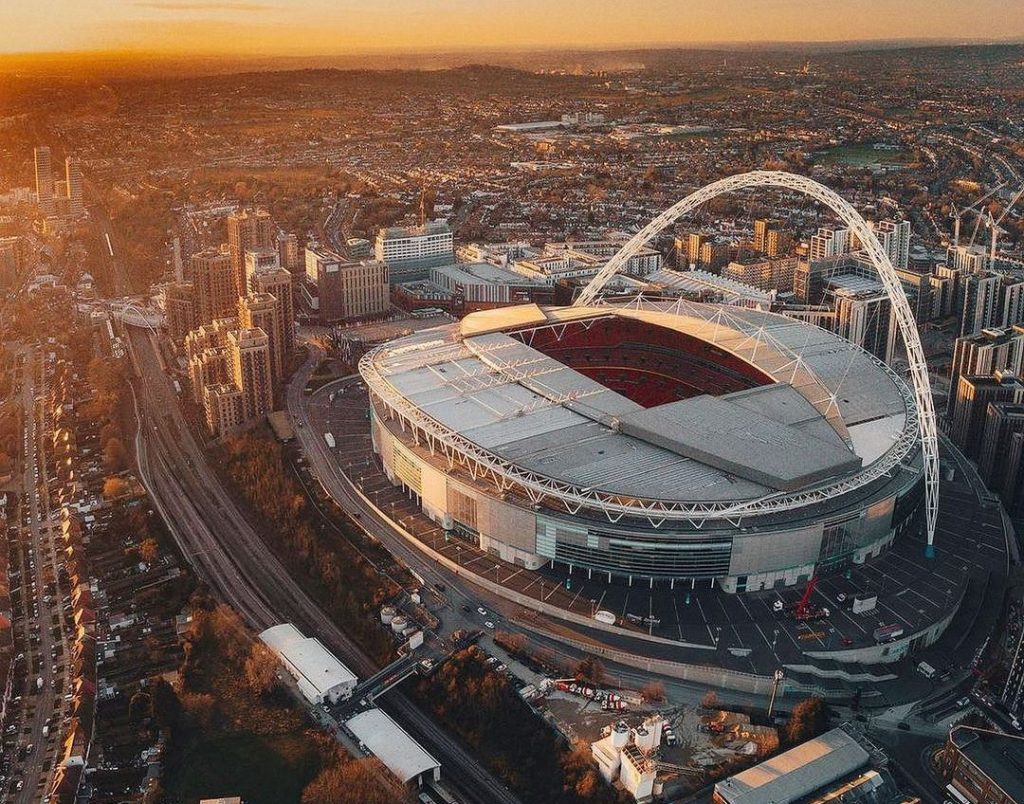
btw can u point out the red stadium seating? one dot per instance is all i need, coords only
(648, 364)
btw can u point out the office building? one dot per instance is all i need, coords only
(278, 282)
(983, 766)
(358, 248)
(340, 290)
(990, 351)
(829, 243)
(410, 253)
(248, 230)
(481, 285)
(73, 180)
(44, 181)
(261, 311)
(179, 311)
(250, 368)
(981, 302)
(213, 280)
(973, 394)
(895, 239)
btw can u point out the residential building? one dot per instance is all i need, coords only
(258, 260)
(990, 351)
(645, 261)
(969, 259)
(863, 314)
(289, 253)
(250, 368)
(765, 274)
(1003, 420)
(262, 311)
(970, 406)
(341, 290)
(213, 280)
(278, 283)
(247, 230)
(223, 408)
(895, 239)
(984, 766)
(180, 311)
(410, 253)
(771, 240)
(981, 302)
(44, 181)
(1011, 300)
(73, 180)
(12, 260)
(829, 243)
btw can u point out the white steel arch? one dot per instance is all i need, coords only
(886, 273)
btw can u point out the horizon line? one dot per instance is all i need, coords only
(1017, 39)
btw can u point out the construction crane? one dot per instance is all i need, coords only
(958, 215)
(804, 609)
(994, 224)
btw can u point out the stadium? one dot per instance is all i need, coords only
(657, 441)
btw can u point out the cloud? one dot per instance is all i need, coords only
(199, 5)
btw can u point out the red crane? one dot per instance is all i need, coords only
(804, 610)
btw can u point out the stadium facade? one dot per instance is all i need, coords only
(656, 441)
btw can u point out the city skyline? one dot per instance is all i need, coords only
(318, 27)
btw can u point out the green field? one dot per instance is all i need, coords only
(864, 155)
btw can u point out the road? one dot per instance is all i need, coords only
(44, 626)
(227, 553)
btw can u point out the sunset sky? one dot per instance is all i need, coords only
(314, 27)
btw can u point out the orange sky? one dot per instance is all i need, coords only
(321, 27)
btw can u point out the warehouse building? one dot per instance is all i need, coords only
(399, 752)
(796, 773)
(318, 673)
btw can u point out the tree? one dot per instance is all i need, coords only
(166, 706)
(261, 669)
(808, 719)
(653, 691)
(590, 669)
(359, 781)
(115, 456)
(149, 550)
(114, 487)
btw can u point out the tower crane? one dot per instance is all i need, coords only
(994, 224)
(958, 214)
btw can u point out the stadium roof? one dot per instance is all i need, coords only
(387, 741)
(832, 410)
(796, 773)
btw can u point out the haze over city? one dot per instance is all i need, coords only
(511, 402)
(324, 27)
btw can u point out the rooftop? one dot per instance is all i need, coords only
(831, 410)
(797, 772)
(999, 756)
(402, 755)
